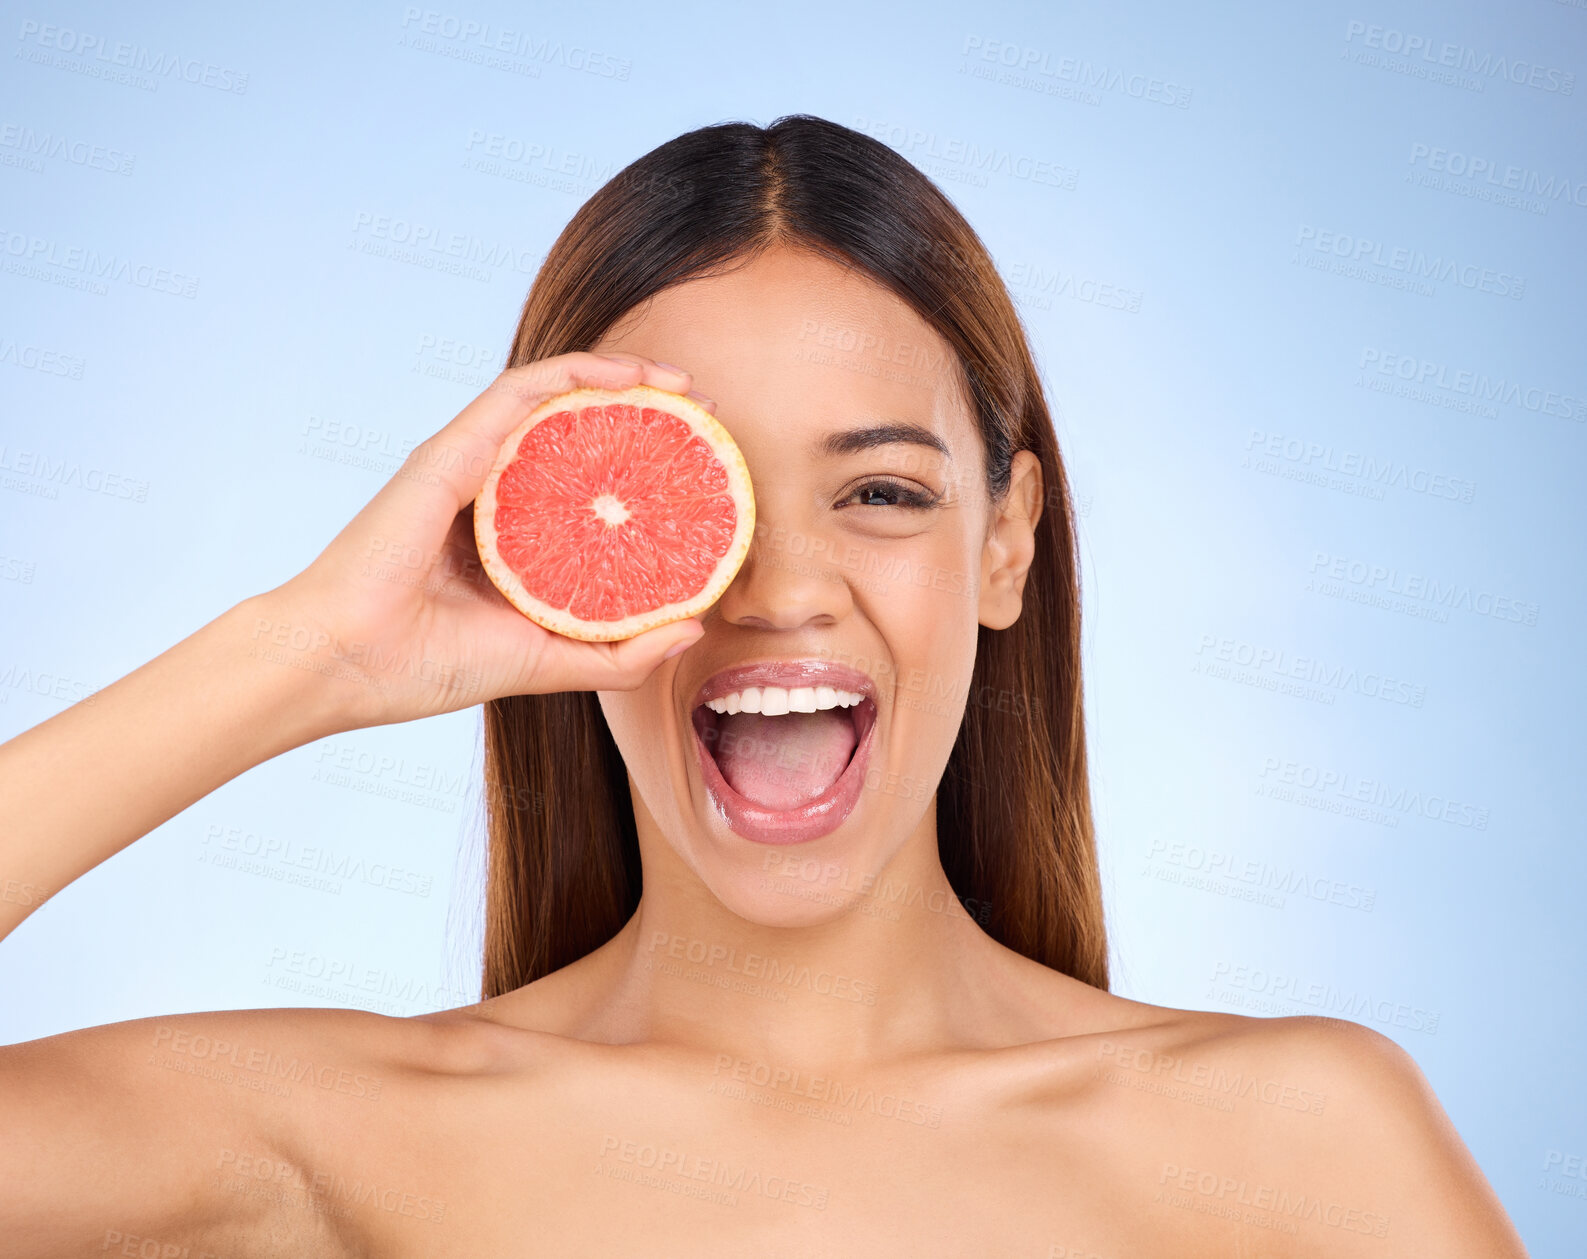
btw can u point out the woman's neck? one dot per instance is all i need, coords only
(898, 967)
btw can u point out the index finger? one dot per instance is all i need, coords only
(443, 474)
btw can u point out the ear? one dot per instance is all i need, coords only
(1011, 544)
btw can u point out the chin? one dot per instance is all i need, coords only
(794, 886)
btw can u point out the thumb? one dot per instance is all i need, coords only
(635, 659)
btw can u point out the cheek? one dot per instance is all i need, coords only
(629, 714)
(926, 595)
(930, 625)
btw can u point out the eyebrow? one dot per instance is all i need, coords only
(851, 441)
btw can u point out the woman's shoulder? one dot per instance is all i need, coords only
(1233, 1052)
(204, 1128)
(1320, 1130)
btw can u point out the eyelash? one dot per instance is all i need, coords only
(909, 498)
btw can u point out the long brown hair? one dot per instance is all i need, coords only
(1013, 807)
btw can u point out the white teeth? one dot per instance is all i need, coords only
(774, 701)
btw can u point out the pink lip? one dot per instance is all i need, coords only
(789, 673)
(827, 811)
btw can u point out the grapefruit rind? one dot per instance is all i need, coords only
(560, 620)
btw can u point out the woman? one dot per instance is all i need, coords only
(811, 983)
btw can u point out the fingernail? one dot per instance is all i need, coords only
(672, 367)
(700, 398)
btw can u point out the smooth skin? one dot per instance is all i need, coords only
(772, 1057)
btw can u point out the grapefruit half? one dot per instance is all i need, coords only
(610, 512)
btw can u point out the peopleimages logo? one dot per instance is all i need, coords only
(977, 160)
(1400, 800)
(1441, 54)
(829, 1091)
(1029, 64)
(1372, 470)
(1265, 1206)
(429, 245)
(1506, 176)
(1259, 659)
(42, 144)
(315, 859)
(757, 966)
(1480, 387)
(1413, 264)
(475, 40)
(1228, 866)
(54, 473)
(1215, 1077)
(1446, 596)
(33, 252)
(683, 1166)
(265, 1062)
(88, 49)
(38, 359)
(1273, 991)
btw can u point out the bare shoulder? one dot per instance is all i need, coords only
(1319, 1135)
(209, 1129)
(1381, 1135)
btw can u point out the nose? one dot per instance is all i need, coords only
(786, 582)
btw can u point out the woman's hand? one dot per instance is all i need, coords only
(395, 620)
(397, 613)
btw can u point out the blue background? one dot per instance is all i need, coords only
(1319, 386)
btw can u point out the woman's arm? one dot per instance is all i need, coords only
(393, 621)
(81, 786)
(141, 1130)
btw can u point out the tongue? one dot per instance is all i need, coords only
(783, 762)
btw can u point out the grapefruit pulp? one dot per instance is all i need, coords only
(610, 512)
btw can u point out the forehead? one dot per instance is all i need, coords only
(803, 345)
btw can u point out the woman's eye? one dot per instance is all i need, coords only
(890, 494)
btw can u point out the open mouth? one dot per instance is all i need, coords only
(784, 747)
